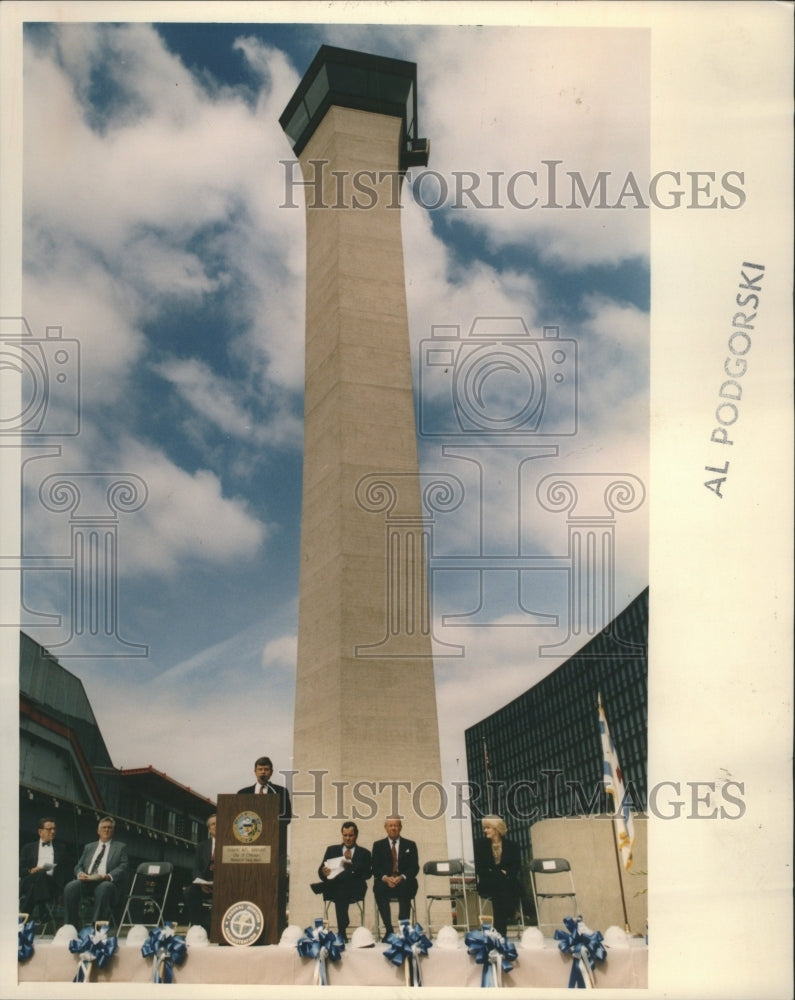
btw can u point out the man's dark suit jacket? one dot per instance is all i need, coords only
(408, 862)
(117, 862)
(201, 862)
(351, 881)
(285, 806)
(29, 856)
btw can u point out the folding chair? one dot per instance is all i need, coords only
(358, 903)
(456, 894)
(511, 923)
(545, 881)
(47, 915)
(148, 894)
(392, 899)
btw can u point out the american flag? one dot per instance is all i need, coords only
(614, 786)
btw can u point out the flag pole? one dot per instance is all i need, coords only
(616, 787)
(620, 879)
(488, 774)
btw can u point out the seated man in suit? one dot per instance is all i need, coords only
(344, 871)
(101, 872)
(395, 868)
(42, 868)
(197, 893)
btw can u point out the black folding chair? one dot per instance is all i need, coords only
(148, 895)
(551, 878)
(454, 892)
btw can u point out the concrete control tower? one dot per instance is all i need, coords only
(366, 728)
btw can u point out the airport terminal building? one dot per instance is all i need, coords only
(540, 756)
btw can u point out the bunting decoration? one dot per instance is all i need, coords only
(405, 949)
(93, 947)
(323, 946)
(27, 931)
(491, 950)
(167, 949)
(586, 949)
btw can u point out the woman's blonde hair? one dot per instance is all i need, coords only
(496, 823)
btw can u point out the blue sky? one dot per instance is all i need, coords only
(155, 236)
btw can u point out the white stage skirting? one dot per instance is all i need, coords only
(279, 965)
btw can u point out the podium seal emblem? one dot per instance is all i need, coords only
(247, 826)
(242, 923)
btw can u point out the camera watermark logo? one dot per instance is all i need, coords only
(41, 403)
(493, 401)
(41, 381)
(497, 380)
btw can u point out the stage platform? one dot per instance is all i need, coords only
(281, 965)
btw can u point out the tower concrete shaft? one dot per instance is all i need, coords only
(366, 739)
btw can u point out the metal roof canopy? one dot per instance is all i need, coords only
(357, 80)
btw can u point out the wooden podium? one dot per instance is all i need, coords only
(250, 868)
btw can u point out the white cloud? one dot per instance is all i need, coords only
(506, 99)
(172, 165)
(186, 517)
(281, 652)
(221, 402)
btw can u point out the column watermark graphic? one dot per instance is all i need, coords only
(496, 400)
(41, 406)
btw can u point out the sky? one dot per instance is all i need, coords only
(158, 237)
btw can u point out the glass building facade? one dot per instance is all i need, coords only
(540, 756)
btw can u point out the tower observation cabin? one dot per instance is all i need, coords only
(361, 81)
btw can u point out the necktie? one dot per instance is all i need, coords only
(394, 858)
(347, 854)
(97, 860)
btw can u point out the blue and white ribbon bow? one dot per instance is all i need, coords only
(491, 950)
(168, 950)
(27, 930)
(92, 947)
(586, 949)
(322, 945)
(405, 949)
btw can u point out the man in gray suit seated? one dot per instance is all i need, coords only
(101, 872)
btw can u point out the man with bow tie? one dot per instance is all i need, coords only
(395, 868)
(42, 868)
(101, 872)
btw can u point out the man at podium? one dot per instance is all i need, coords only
(263, 770)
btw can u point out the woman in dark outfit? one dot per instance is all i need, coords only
(498, 870)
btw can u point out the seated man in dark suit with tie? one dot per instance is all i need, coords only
(263, 770)
(344, 871)
(197, 893)
(395, 867)
(101, 872)
(42, 868)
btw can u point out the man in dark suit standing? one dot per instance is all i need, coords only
(197, 893)
(101, 872)
(263, 770)
(395, 868)
(344, 871)
(42, 868)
